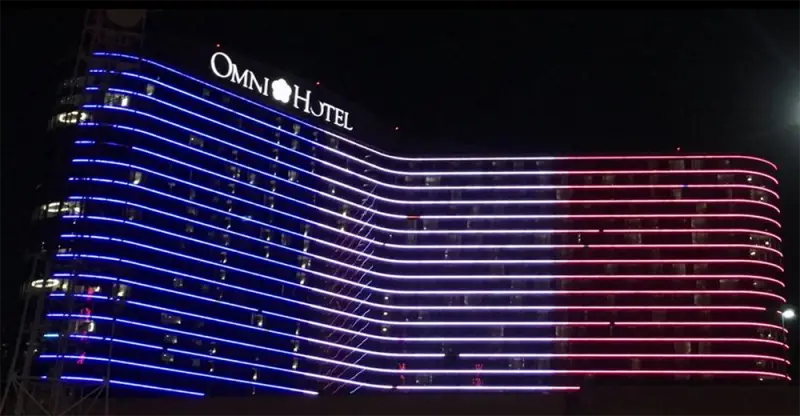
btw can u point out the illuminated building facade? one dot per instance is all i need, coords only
(221, 233)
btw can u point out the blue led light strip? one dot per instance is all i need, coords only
(174, 371)
(220, 358)
(128, 384)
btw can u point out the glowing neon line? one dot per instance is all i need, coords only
(414, 307)
(395, 276)
(407, 261)
(173, 370)
(450, 339)
(129, 384)
(469, 371)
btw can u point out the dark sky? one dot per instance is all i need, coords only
(481, 81)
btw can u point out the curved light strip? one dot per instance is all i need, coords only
(252, 364)
(404, 202)
(388, 260)
(400, 323)
(128, 384)
(405, 187)
(445, 159)
(588, 261)
(175, 371)
(184, 332)
(428, 246)
(341, 216)
(482, 371)
(412, 307)
(127, 184)
(397, 276)
(448, 339)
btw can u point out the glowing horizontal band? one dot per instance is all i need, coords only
(515, 355)
(389, 185)
(427, 246)
(228, 341)
(331, 277)
(394, 201)
(252, 364)
(395, 276)
(411, 261)
(394, 307)
(478, 371)
(374, 151)
(448, 339)
(391, 230)
(173, 370)
(129, 384)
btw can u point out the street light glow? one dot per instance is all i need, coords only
(788, 314)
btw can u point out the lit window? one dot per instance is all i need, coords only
(195, 362)
(226, 239)
(72, 117)
(206, 92)
(223, 257)
(150, 89)
(192, 194)
(266, 251)
(117, 100)
(295, 363)
(191, 210)
(257, 320)
(167, 357)
(292, 175)
(177, 282)
(232, 187)
(251, 178)
(223, 274)
(255, 374)
(286, 239)
(189, 228)
(196, 141)
(170, 319)
(229, 205)
(294, 143)
(122, 290)
(272, 185)
(296, 128)
(136, 177)
(301, 278)
(265, 234)
(170, 339)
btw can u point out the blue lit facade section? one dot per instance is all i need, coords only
(211, 235)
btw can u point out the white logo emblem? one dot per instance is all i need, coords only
(281, 90)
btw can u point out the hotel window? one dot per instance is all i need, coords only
(226, 239)
(192, 194)
(257, 320)
(229, 205)
(286, 239)
(265, 234)
(223, 257)
(301, 277)
(266, 251)
(167, 357)
(196, 141)
(132, 214)
(191, 210)
(296, 128)
(272, 185)
(170, 339)
(251, 178)
(333, 142)
(206, 92)
(306, 245)
(676, 164)
(275, 152)
(305, 262)
(608, 179)
(235, 171)
(232, 188)
(294, 144)
(170, 319)
(121, 290)
(150, 89)
(177, 282)
(189, 228)
(223, 274)
(116, 100)
(292, 175)
(306, 229)
(235, 154)
(136, 177)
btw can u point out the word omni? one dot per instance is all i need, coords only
(280, 90)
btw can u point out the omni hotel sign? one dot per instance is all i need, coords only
(280, 90)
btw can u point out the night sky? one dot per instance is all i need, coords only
(525, 81)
